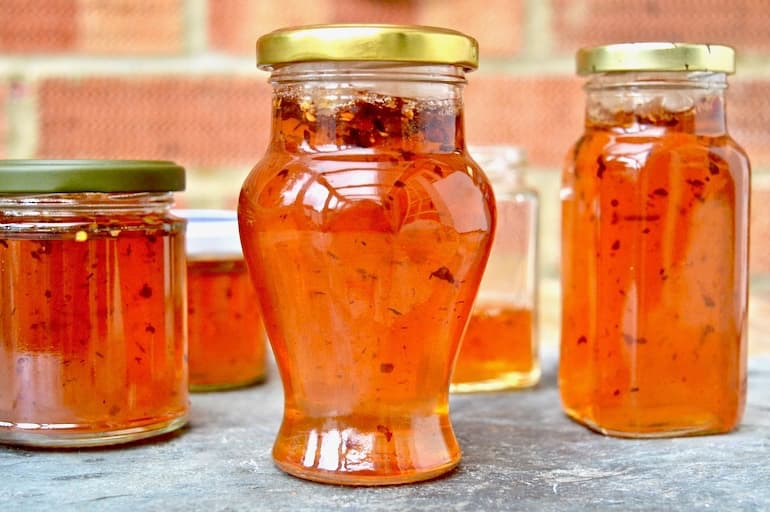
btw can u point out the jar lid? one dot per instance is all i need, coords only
(50, 176)
(655, 57)
(367, 42)
(211, 234)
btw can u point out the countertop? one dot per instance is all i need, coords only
(520, 452)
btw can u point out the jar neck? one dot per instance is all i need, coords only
(657, 101)
(86, 204)
(368, 107)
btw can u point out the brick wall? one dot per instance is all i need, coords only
(176, 79)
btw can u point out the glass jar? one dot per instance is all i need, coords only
(655, 205)
(225, 331)
(366, 228)
(92, 327)
(499, 348)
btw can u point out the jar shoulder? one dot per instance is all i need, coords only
(611, 152)
(381, 190)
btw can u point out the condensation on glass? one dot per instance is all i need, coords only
(366, 228)
(92, 295)
(225, 329)
(500, 347)
(655, 217)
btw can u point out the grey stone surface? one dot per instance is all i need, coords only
(520, 452)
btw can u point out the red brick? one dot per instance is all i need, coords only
(3, 118)
(235, 25)
(741, 23)
(130, 26)
(27, 26)
(497, 24)
(222, 121)
(544, 115)
(92, 26)
(748, 118)
(376, 11)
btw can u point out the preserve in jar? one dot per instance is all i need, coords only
(92, 294)
(500, 349)
(655, 219)
(225, 332)
(366, 228)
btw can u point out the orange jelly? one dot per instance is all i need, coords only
(366, 228)
(655, 236)
(92, 330)
(227, 342)
(498, 345)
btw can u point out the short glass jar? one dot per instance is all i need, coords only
(366, 228)
(225, 330)
(92, 287)
(655, 230)
(500, 347)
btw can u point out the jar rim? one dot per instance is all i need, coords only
(55, 176)
(211, 233)
(367, 42)
(655, 56)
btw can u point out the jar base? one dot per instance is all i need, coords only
(362, 480)
(366, 451)
(205, 388)
(65, 436)
(505, 382)
(655, 431)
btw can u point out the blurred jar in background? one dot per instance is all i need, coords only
(500, 348)
(226, 332)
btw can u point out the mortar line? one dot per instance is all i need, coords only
(538, 36)
(196, 26)
(22, 136)
(209, 63)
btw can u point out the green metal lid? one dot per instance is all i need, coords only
(47, 176)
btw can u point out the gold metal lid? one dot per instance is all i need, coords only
(655, 57)
(367, 42)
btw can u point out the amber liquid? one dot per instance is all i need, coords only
(366, 257)
(226, 335)
(654, 278)
(498, 350)
(92, 336)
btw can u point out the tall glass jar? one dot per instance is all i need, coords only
(500, 348)
(92, 288)
(366, 228)
(655, 205)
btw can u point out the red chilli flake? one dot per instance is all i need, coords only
(443, 273)
(385, 431)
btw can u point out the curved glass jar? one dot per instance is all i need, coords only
(366, 228)
(225, 330)
(92, 328)
(500, 348)
(655, 219)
